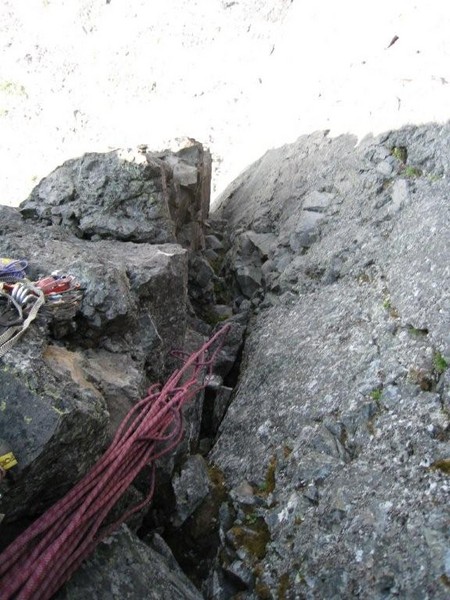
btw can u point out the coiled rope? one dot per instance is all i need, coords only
(45, 556)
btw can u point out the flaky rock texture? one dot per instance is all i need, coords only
(316, 462)
(125, 567)
(124, 225)
(339, 430)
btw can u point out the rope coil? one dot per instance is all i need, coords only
(44, 557)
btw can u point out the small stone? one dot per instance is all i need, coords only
(213, 243)
(240, 574)
(191, 487)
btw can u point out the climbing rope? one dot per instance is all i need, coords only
(45, 555)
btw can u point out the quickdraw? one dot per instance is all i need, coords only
(21, 299)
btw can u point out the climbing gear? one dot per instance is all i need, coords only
(46, 554)
(21, 299)
(7, 461)
(12, 269)
(27, 299)
(7, 458)
(63, 295)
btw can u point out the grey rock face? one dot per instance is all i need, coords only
(191, 487)
(55, 426)
(119, 195)
(123, 567)
(128, 195)
(340, 419)
(132, 315)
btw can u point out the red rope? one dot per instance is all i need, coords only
(46, 554)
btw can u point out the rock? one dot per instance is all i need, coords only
(217, 400)
(71, 379)
(125, 567)
(128, 195)
(305, 230)
(249, 279)
(213, 243)
(338, 421)
(240, 574)
(55, 422)
(229, 353)
(191, 487)
(132, 315)
(117, 195)
(189, 209)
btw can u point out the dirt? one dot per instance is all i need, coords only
(240, 76)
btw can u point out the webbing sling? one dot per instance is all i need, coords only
(12, 334)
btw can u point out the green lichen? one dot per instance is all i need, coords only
(433, 177)
(3, 405)
(400, 153)
(440, 363)
(251, 519)
(412, 172)
(387, 305)
(59, 411)
(376, 394)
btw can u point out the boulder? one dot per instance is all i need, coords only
(125, 567)
(133, 314)
(340, 420)
(130, 195)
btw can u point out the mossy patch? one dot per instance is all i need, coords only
(412, 172)
(376, 394)
(439, 362)
(253, 537)
(262, 591)
(442, 465)
(400, 153)
(284, 586)
(268, 486)
(416, 331)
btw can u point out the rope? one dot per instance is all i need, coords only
(45, 555)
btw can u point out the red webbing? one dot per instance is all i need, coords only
(46, 554)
